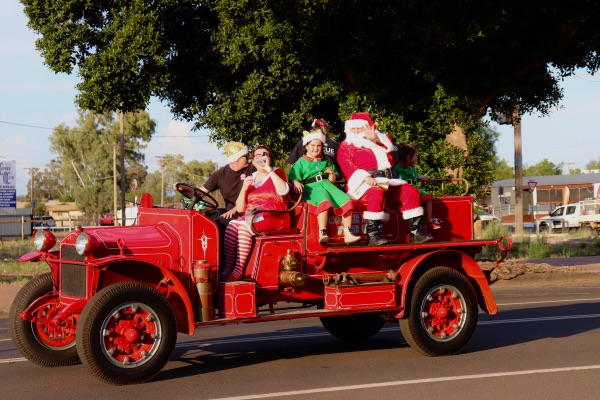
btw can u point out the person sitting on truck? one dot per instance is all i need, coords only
(366, 161)
(229, 180)
(314, 175)
(266, 189)
(330, 146)
(409, 155)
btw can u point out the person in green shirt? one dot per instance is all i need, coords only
(314, 176)
(409, 155)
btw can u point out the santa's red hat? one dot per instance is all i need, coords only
(365, 116)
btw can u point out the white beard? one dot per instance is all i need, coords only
(358, 140)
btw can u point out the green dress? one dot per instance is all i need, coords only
(321, 195)
(410, 175)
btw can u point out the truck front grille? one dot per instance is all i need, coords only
(72, 276)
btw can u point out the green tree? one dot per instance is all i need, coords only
(543, 168)
(174, 169)
(502, 170)
(593, 164)
(85, 156)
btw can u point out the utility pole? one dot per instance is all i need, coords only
(518, 172)
(161, 162)
(32, 171)
(122, 129)
(115, 206)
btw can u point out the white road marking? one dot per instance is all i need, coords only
(435, 380)
(12, 360)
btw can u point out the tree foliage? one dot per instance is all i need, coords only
(502, 170)
(593, 164)
(258, 71)
(84, 166)
(543, 168)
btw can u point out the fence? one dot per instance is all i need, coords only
(22, 225)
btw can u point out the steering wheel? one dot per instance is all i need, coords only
(196, 196)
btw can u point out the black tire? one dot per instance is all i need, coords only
(442, 314)
(355, 327)
(42, 342)
(126, 333)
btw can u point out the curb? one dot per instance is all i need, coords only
(549, 279)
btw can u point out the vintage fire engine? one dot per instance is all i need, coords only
(116, 297)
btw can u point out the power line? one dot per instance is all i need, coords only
(49, 129)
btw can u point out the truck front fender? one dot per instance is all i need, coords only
(159, 278)
(417, 266)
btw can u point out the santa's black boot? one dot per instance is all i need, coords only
(416, 231)
(373, 238)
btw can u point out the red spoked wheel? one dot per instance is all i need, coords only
(443, 313)
(41, 339)
(48, 332)
(131, 335)
(126, 333)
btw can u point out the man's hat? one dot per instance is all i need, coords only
(315, 134)
(365, 116)
(235, 150)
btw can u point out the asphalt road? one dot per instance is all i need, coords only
(542, 344)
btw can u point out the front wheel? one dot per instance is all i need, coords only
(42, 339)
(443, 313)
(127, 333)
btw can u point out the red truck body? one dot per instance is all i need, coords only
(115, 297)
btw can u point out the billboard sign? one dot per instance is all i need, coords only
(8, 184)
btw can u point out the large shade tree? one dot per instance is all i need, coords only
(258, 70)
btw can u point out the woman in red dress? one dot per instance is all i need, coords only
(265, 189)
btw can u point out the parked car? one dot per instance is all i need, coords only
(107, 220)
(44, 221)
(485, 216)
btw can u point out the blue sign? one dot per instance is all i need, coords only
(8, 188)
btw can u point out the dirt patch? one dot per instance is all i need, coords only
(511, 269)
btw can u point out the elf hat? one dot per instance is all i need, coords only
(234, 151)
(307, 136)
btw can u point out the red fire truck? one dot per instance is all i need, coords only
(115, 298)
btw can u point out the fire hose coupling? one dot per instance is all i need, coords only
(289, 277)
(289, 262)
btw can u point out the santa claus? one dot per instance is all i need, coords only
(365, 159)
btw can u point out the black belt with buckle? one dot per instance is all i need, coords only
(380, 173)
(317, 178)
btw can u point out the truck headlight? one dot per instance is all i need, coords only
(43, 240)
(84, 244)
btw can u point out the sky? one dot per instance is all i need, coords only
(34, 100)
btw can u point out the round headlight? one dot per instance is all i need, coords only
(43, 240)
(83, 244)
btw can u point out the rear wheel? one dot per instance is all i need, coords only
(443, 313)
(353, 327)
(127, 333)
(41, 339)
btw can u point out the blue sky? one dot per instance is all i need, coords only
(34, 100)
